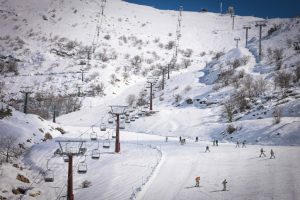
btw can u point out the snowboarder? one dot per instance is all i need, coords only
(166, 138)
(207, 149)
(196, 139)
(272, 154)
(244, 144)
(224, 184)
(197, 181)
(214, 143)
(237, 144)
(262, 152)
(217, 142)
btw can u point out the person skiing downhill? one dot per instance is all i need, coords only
(224, 184)
(237, 144)
(217, 142)
(262, 152)
(207, 149)
(166, 138)
(244, 144)
(197, 179)
(196, 139)
(272, 154)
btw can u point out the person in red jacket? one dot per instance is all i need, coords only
(197, 179)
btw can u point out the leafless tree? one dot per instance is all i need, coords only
(277, 115)
(9, 148)
(260, 86)
(228, 109)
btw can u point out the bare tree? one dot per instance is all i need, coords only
(9, 148)
(283, 79)
(277, 115)
(248, 84)
(260, 86)
(228, 109)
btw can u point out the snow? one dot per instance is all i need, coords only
(148, 167)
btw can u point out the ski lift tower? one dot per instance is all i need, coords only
(117, 111)
(151, 81)
(260, 24)
(70, 148)
(26, 91)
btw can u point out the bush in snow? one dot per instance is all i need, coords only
(170, 45)
(230, 129)
(178, 98)
(107, 37)
(186, 63)
(98, 89)
(283, 79)
(86, 184)
(5, 112)
(218, 55)
(260, 86)
(136, 60)
(187, 53)
(273, 29)
(131, 98)
(187, 88)
(247, 83)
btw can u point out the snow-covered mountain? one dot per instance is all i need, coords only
(79, 57)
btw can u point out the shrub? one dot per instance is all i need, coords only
(228, 109)
(273, 29)
(107, 37)
(86, 184)
(170, 45)
(218, 55)
(48, 136)
(178, 98)
(61, 130)
(230, 129)
(282, 79)
(187, 88)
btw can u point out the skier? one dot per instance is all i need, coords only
(197, 181)
(237, 144)
(262, 152)
(224, 184)
(214, 143)
(207, 149)
(272, 154)
(166, 138)
(244, 144)
(197, 139)
(179, 138)
(217, 142)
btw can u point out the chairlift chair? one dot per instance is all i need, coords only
(122, 125)
(122, 117)
(113, 135)
(49, 176)
(102, 127)
(93, 136)
(82, 167)
(106, 144)
(127, 121)
(132, 118)
(95, 154)
(82, 150)
(66, 158)
(110, 120)
(136, 116)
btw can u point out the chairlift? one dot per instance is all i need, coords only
(82, 150)
(127, 121)
(122, 117)
(110, 120)
(122, 125)
(103, 127)
(66, 158)
(132, 118)
(82, 167)
(113, 135)
(146, 106)
(49, 175)
(106, 144)
(95, 153)
(93, 134)
(136, 116)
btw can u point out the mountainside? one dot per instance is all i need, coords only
(74, 59)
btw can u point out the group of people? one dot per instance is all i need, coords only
(262, 153)
(197, 179)
(238, 144)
